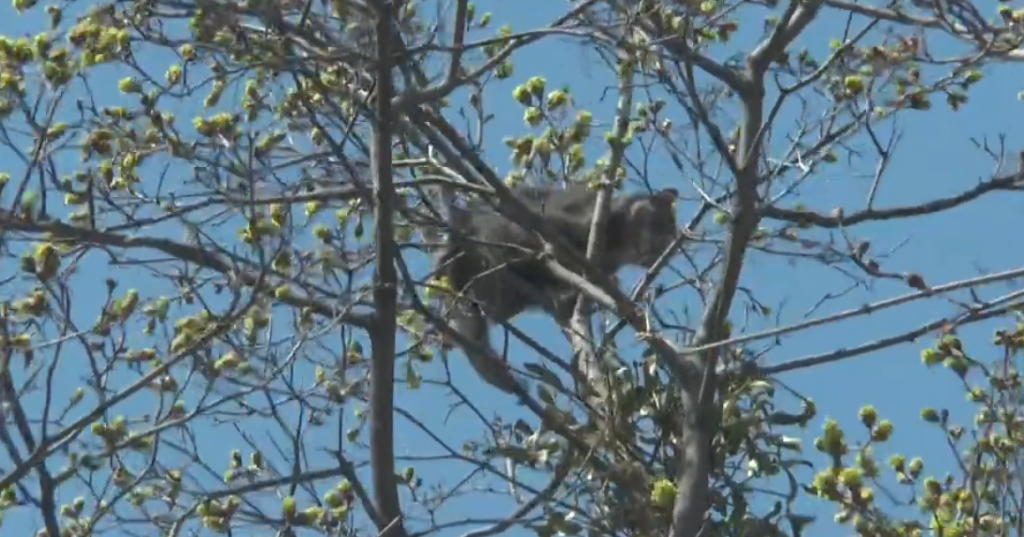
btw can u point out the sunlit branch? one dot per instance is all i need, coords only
(1008, 183)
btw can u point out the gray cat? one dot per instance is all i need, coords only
(494, 263)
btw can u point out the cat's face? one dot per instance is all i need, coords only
(651, 226)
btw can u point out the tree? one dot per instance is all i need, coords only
(266, 323)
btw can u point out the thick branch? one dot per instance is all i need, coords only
(385, 291)
(700, 419)
(798, 15)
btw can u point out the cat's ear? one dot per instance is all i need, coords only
(645, 206)
(667, 195)
(641, 210)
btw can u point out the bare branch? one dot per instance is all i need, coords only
(385, 290)
(866, 309)
(966, 318)
(1007, 183)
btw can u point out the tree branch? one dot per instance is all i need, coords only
(865, 309)
(385, 290)
(1013, 182)
(251, 277)
(582, 333)
(698, 395)
(799, 13)
(840, 354)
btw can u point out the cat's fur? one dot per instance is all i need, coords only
(495, 263)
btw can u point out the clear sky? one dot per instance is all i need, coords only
(935, 158)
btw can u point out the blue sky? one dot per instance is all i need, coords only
(935, 158)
